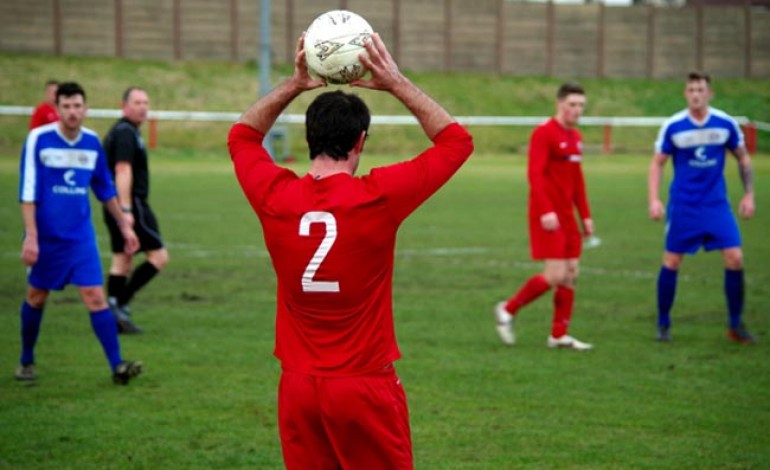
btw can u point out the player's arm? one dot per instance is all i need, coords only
(30, 248)
(655, 206)
(263, 114)
(124, 180)
(131, 243)
(386, 76)
(746, 207)
(537, 164)
(581, 202)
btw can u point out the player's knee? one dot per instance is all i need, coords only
(36, 298)
(93, 298)
(733, 259)
(158, 258)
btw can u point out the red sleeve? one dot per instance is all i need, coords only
(536, 171)
(39, 117)
(254, 167)
(408, 184)
(581, 197)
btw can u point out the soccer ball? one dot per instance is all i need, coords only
(332, 45)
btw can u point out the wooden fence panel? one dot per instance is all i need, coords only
(525, 48)
(88, 28)
(575, 40)
(626, 42)
(148, 31)
(495, 36)
(27, 26)
(675, 42)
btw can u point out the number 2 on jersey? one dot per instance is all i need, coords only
(308, 283)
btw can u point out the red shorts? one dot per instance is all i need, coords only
(344, 422)
(564, 243)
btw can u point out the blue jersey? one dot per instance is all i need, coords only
(56, 175)
(698, 153)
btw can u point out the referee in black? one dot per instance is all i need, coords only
(128, 162)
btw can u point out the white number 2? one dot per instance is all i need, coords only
(308, 283)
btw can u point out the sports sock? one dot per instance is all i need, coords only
(563, 301)
(734, 294)
(666, 293)
(116, 285)
(31, 318)
(531, 290)
(141, 276)
(106, 329)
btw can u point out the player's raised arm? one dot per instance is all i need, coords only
(386, 76)
(263, 114)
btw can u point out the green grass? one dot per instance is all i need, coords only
(207, 399)
(220, 86)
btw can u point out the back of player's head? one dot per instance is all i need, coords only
(696, 76)
(68, 89)
(127, 93)
(569, 88)
(334, 122)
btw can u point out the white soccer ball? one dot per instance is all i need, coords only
(333, 42)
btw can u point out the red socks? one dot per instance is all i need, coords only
(532, 289)
(563, 301)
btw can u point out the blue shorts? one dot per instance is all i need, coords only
(59, 264)
(712, 227)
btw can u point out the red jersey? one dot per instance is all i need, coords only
(332, 244)
(43, 114)
(556, 181)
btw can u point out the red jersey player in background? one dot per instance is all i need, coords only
(46, 110)
(331, 238)
(557, 187)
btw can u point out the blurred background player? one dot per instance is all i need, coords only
(699, 213)
(60, 162)
(128, 161)
(45, 112)
(331, 238)
(556, 187)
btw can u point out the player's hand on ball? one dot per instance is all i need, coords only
(385, 74)
(302, 76)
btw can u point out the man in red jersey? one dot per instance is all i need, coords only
(331, 238)
(46, 110)
(556, 189)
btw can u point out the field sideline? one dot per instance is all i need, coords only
(207, 399)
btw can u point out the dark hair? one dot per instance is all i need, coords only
(569, 88)
(51, 82)
(128, 91)
(334, 122)
(695, 76)
(68, 89)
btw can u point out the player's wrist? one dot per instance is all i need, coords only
(126, 209)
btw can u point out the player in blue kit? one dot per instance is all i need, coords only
(60, 162)
(699, 213)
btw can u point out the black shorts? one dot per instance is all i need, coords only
(145, 226)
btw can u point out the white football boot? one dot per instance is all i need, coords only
(568, 341)
(504, 324)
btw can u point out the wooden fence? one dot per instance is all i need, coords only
(494, 36)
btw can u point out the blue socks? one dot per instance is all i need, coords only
(666, 293)
(106, 329)
(734, 294)
(30, 327)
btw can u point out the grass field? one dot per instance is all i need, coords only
(207, 397)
